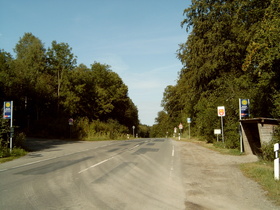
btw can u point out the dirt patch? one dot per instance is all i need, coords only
(214, 181)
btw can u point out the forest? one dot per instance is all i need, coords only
(48, 87)
(232, 51)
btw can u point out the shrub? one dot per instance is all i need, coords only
(267, 148)
(19, 140)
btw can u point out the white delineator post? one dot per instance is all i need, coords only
(276, 162)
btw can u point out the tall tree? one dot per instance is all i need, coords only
(26, 75)
(61, 60)
(5, 80)
(262, 61)
(213, 59)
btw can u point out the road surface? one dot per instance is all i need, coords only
(133, 174)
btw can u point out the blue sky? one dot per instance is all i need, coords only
(137, 38)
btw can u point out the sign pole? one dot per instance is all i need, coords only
(222, 129)
(180, 128)
(240, 128)
(8, 115)
(189, 130)
(11, 125)
(133, 127)
(222, 113)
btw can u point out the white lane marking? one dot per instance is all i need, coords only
(97, 164)
(172, 162)
(104, 161)
(137, 145)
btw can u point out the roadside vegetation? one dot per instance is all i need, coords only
(18, 141)
(231, 51)
(48, 87)
(263, 173)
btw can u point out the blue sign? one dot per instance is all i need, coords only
(7, 113)
(244, 108)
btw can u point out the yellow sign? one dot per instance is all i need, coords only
(7, 104)
(244, 102)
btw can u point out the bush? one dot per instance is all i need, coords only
(19, 140)
(98, 130)
(267, 149)
(17, 152)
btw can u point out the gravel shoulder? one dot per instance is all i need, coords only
(214, 181)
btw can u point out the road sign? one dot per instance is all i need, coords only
(189, 120)
(244, 108)
(71, 121)
(180, 126)
(217, 131)
(7, 113)
(221, 111)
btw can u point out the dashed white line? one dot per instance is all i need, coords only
(172, 162)
(97, 164)
(104, 161)
(134, 147)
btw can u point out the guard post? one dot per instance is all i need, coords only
(276, 162)
(71, 123)
(189, 120)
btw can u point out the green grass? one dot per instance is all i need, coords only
(6, 155)
(219, 147)
(263, 173)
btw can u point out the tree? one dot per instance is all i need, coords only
(29, 83)
(263, 60)
(60, 62)
(47, 86)
(5, 69)
(223, 35)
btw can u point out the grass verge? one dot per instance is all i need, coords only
(216, 147)
(6, 155)
(263, 173)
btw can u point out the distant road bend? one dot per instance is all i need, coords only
(132, 174)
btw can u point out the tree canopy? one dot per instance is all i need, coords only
(232, 52)
(48, 86)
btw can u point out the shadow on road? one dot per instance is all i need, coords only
(37, 144)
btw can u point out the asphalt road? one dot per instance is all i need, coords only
(133, 174)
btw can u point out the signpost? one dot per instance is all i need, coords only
(180, 127)
(175, 131)
(222, 113)
(8, 114)
(189, 120)
(133, 127)
(217, 132)
(244, 111)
